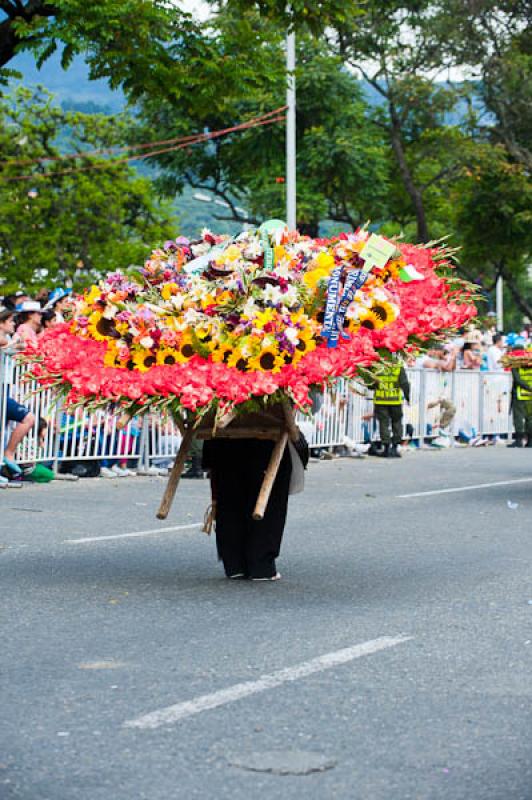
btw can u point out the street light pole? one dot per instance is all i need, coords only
(291, 218)
(499, 306)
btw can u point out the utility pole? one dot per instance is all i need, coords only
(499, 307)
(291, 218)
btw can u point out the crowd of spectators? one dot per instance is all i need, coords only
(474, 350)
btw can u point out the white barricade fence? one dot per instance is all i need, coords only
(341, 414)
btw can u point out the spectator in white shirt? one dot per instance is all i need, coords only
(495, 353)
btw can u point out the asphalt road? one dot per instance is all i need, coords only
(98, 634)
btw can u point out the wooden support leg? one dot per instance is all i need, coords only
(290, 421)
(175, 474)
(269, 476)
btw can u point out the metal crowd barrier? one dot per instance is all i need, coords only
(482, 401)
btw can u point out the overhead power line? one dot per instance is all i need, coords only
(176, 143)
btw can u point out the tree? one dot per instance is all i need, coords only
(69, 225)
(342, 166)
(494, 38)
(491, 212)
(395, 48)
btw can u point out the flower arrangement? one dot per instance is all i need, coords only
(517, 358)
(217, 322)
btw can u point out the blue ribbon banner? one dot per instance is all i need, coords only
(335, 311)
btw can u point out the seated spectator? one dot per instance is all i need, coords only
(28, 322)
(442, 357)
(14, 412)
(471, 356)
(48, 320)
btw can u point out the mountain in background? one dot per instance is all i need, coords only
(72, 87)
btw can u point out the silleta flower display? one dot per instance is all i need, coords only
(214, 323)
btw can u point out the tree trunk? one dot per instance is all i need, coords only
(522, 302)
(407, 177)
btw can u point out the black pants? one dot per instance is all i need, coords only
(387, 415)
(237, 467)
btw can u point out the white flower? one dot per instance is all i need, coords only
(200, 249)
(282, 268)
(272, 294)
(249, 308)
(292, 335)
(290, 298)
(147, 342)
(110, 312)
(177, 301)
(191, 316)
(252, 250)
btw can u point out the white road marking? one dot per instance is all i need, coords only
(466, 488)
(171, 714)
(133, 535)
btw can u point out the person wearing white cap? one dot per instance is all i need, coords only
(29, 315)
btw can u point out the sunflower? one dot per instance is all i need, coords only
(167, 356)
(112, 356)
(268, 360)
(100, 328)
(384, 311)
(144, 360)
(222, 352)
(238, 360)
(185, 348)
(304, 346)
(368, 319)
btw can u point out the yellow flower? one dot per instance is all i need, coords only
(207, 300)
(185, 348)
(238, 360)
(263, 317)
(167, 356)
(370, 320)
(222, 352)
(168, 290)
(143, 359)
(268, 360)
(304, 346)
(312, 278)
(99, 327)
(384, 311)
(92, 295)
(324, 261)
(111, 357)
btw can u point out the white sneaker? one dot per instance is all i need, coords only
(3, 482)
(105, 472)
(148, 471)
(118, 471)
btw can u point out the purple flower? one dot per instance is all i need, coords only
(182, 241)
(169, 245)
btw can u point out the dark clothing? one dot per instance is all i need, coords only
(521, 409)
(388, 416)
(522, 415)
(518, 382)
(237, 468)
